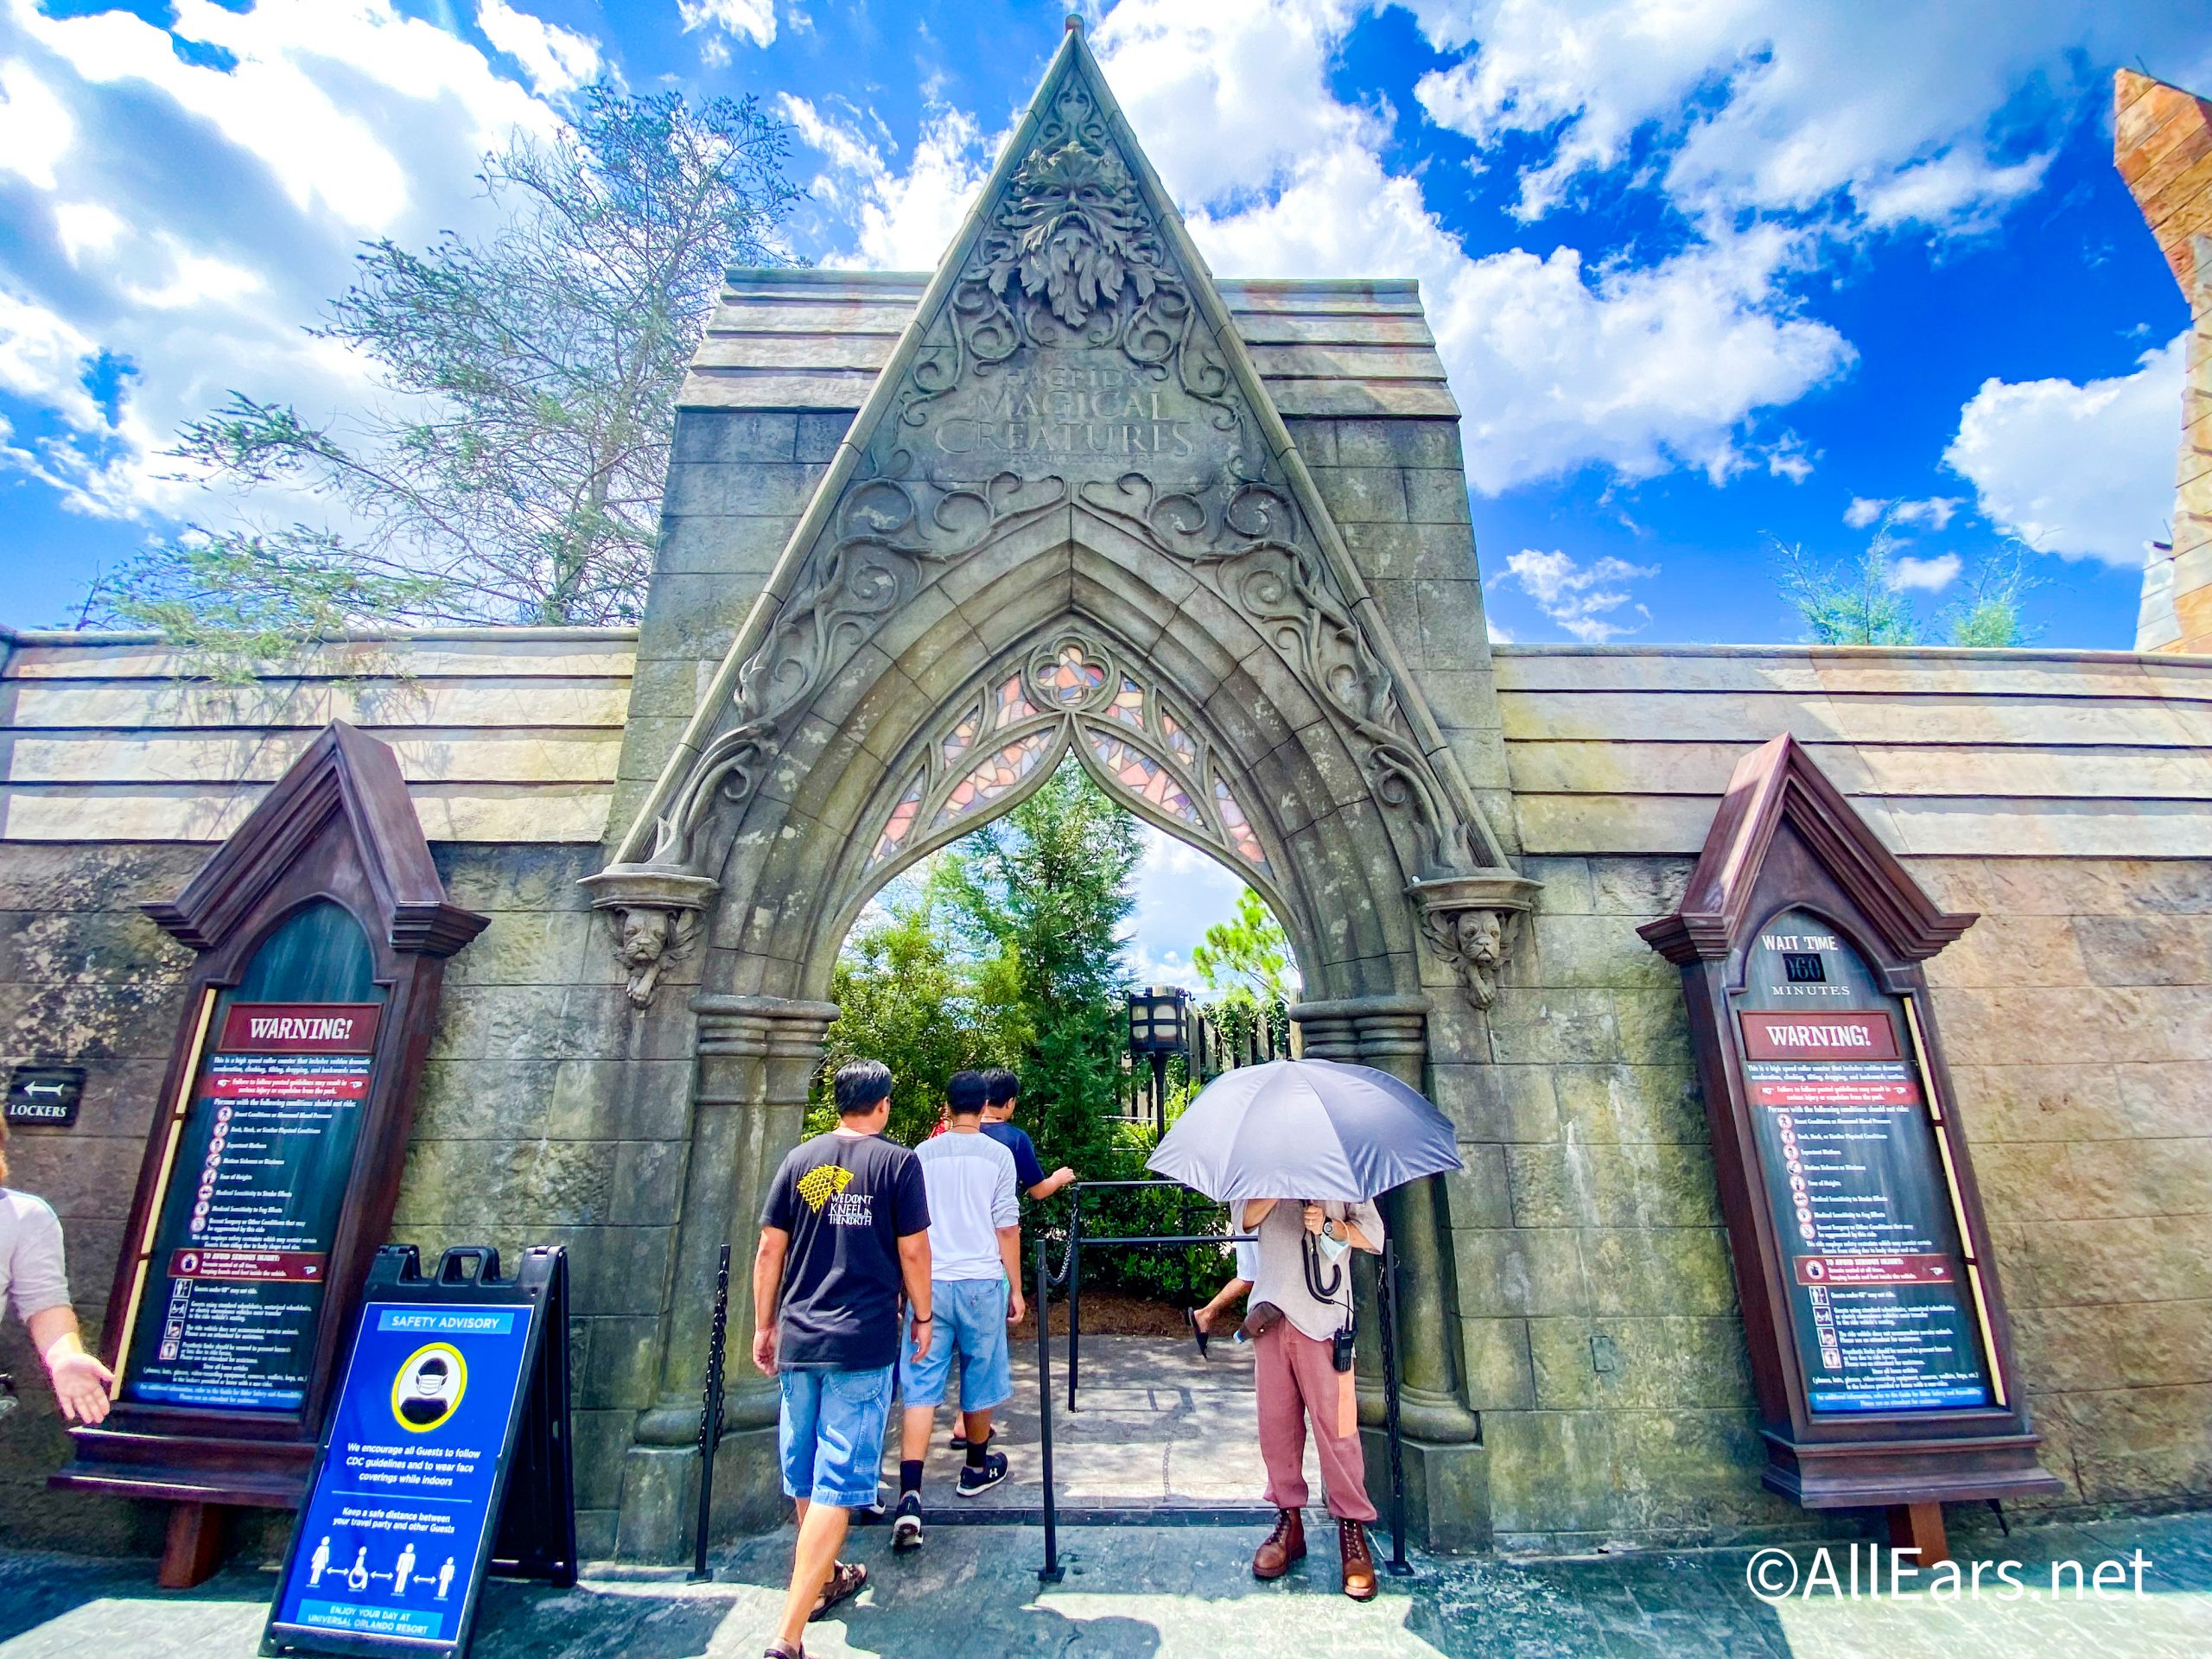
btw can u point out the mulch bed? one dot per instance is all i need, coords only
(1107, 1313)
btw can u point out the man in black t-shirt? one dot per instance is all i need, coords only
(844, 1229)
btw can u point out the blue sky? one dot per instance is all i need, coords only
(1704, 273)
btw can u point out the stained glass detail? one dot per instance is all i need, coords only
(1072, 676)
(1178, 739)
(1238, 828)
(993, 776)
(1144, 776)
(1011, 704)
(900, 828)
(962, 738)
(1127, 706)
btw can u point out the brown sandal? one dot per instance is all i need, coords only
(847, 1579)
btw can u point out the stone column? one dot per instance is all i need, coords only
(1446, 1475)
(756, 1057)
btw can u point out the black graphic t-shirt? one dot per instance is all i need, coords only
(846, 1200)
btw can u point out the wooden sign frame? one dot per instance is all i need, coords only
(1786, 838)
(338, 826)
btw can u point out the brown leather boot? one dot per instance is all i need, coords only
(1284, 1549)
(1359, 1561)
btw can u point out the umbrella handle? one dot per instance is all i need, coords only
(1319, 1290)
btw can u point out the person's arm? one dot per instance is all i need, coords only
(1255, 1211)
(914, 1271)
(1051, 1184)
(1348, 1230)
(767, 1290)
(1006, 1216)
(1010, 1259)
(81, 1383)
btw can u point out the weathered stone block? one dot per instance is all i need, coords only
(1629, 1102)
(732, 435)
(1519, 1270)
(1497, 1103)
(1363, 494)
(1437, 496)
(1498, 1371)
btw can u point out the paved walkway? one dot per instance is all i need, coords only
(1156, 1427)
(1184, 1593)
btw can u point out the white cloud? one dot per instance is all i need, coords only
(556, 60)
(895, 220)
(1928, 575)
(727, 20)
(1180, 892)
(2082, 471)
(1935, 513)
(187, 217)
(1874, 116)
(35, 130)
(1582, 599)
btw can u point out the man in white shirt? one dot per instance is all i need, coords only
(976, 1292)
(34, 1282)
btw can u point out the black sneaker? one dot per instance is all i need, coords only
(906, 1524)
(974, 1481)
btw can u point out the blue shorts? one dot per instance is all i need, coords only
(830, 1434)
(970, 1316)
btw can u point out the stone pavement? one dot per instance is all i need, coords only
(1156, 1427)
(1182, 1592)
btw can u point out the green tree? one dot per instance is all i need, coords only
(905, 996)
(1249, 953)
(1848, 603)
(1045, 891)
(1859, 601)
(513, 471)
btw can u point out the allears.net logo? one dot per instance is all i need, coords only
(1876, 1571)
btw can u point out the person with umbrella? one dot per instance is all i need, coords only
(1300, 1150)
(1302, 1322)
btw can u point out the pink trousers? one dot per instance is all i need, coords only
(1296, 1380)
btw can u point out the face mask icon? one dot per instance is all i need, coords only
(428, 1388)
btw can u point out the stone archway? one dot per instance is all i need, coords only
(1070, 451)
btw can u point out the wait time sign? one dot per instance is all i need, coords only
(1872, 1306)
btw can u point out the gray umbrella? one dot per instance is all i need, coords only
(1304, 1129)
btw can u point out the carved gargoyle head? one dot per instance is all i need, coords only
(655, 914)
(1471, 921)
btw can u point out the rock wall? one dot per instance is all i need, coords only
(2068, 798)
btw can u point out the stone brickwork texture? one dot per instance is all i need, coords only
(2162, 145)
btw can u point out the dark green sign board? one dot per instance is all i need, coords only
(241, 1260)
(1880, 1305)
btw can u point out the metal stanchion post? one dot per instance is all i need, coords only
(711, 1419)
(1387, 1309)
(1075, 1291)
(1050, 1573)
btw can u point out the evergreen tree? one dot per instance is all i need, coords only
(1043, 891)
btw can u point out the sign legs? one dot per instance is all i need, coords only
(193, 1549)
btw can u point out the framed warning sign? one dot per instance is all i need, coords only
(321, 930)
(1879, 1345)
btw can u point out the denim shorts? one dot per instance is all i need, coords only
(969, 1316)
(830, 1434)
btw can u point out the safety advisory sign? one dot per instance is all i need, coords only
(242, 1249)
(1880, 1309)
(447, 1389)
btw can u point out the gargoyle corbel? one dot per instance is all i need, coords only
(656, 912)
(1473, 921)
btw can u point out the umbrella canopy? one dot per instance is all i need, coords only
(1304, 1129)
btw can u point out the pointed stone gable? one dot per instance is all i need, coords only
(1071, 353)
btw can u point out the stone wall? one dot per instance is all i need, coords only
(2069, 800)
(530, 1128)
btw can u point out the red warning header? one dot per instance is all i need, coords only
(299, 1028)
(1819, 1036)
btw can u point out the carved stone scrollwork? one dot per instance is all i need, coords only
(655, 914)
(1472, 922)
